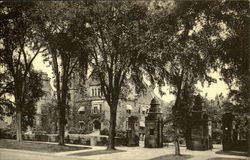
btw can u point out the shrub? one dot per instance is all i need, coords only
(105, 132)
(8, 132)
(74, 130)
(216, 136)
(43, 138)
(121, 134)
(40, 132)
(103, 141)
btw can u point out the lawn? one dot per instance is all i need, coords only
(236, 153)
(220, 158)
(172, 157)
(38, 147)
(90, 153)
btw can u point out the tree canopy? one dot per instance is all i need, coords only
(19, 48)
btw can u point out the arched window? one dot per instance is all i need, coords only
(99, 92)
(95, 109)
(100, 105)
(93, 92)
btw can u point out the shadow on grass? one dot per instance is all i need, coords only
(90, 153)
(172, 157)
(235, 153)
(38, 147)
(221, 158)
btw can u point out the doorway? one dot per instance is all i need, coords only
(96, 127)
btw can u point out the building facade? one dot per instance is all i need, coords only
(90, 111)
(42, 104)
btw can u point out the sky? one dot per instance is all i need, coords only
(210, 91)
(207, 91)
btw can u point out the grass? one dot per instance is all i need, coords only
(220, 158)
(90, 153)
(172, 157)
(38, 147)
(235, 153)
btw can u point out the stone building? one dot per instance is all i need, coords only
(89, 111)
(41, 104)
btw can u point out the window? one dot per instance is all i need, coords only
(95, 109)
(93, 92)
(129, 111)
(100, 105)
(99, 92)
(96, 91)
(143, 112)
(151, 131)
(81, 124)
(69, 96)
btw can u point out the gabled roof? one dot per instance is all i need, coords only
(92, 80)
(145, 98)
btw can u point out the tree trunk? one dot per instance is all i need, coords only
(18, 114)
(55, 122)
(111, 142)
(62, 111)
(61, 131)
(248, 117)
(177, 147)
(61, 126)
(175, 109)
(62, 120)
(187, 140)
(249, 133)
(19, 125)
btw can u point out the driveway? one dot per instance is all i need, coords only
(123, 153)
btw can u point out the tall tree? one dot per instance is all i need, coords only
(58, 27)
(205, 34)
(116, 43)
(234, 54)
(19, 48)
(182, 36)
(231, 47)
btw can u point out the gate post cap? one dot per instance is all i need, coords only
(155, 101)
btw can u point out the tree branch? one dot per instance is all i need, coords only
(73, 66)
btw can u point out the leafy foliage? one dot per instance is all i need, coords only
(58, 28)
(117, 30)
(49, 117)
(33, 94)
(20, 80)
(177, 43)
(201, 37)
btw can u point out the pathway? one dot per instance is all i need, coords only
(123, 153)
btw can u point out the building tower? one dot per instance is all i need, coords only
(154, 126)
(133, 131)
(199, 127)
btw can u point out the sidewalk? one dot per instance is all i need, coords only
(141, 153)
(132, 153)
(211, 155)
